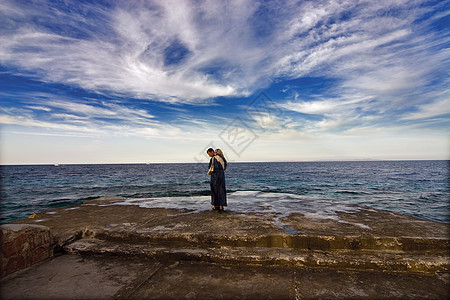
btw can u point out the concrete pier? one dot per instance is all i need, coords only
(105, 250)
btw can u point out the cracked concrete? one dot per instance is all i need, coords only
(127, 252)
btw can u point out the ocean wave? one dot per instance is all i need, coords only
(253, 202)
(352, 192)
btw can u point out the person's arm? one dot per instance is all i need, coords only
(211, 166)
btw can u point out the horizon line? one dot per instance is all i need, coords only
(230, 161)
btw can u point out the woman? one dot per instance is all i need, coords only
(220, 153)
(217, 166)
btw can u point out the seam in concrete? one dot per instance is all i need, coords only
(139, 285)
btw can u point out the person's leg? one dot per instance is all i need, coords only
(211, 184)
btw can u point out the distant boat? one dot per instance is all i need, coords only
(56, 165)
(147, 163)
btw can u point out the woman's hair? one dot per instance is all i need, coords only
(218, 151)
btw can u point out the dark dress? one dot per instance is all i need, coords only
(218, 191)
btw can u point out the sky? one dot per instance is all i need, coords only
(162, 81)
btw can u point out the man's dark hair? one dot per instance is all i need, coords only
(210, 150)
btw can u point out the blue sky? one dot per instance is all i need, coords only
(160, 81)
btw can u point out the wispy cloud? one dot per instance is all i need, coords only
(187, 51)
(33, 123)
(62, 117)
(439, 108)
(177, 69)
(39, 108)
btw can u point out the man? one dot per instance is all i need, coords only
(217, 167)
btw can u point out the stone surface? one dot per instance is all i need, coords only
(365, 239)
(385, 261)
(23, 245)
(176, 253)
(363, 229)
(106, 277)
(73, 277)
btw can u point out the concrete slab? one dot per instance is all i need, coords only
(364, 253)
(385, 261)
(107, 277)
(191, 280)
(385, 229)
(75, 277)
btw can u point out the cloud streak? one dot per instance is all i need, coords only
(178, 69)
(223, 49)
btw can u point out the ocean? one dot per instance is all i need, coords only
(415, 188)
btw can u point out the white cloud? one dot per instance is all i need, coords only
(312, 107)
(124, 50)
(430, 110)
(343, 107)
(130, 62)
(102, 110)
(84, 109)
(65, 118)
(382, 56)
(30, 122)
(70, 117)
(39, 108)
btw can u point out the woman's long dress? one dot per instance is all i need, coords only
(218, 191)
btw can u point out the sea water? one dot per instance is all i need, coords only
(415, 188)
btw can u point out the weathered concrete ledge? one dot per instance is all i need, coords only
(367, 239)
(23, 245)
(112, 277)
(127, 252)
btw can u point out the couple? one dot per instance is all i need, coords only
(217, 166)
